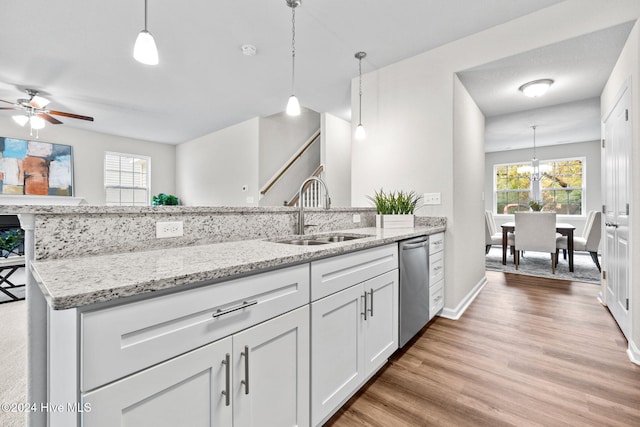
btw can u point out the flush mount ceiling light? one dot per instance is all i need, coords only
(145, 50)
(248, 50)
(293, 106)
(536, 88)
(360, 134)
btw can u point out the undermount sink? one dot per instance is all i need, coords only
(320, 239)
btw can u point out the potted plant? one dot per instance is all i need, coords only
(395, 209)
(12, 242)
(535, 206)
(164, 199)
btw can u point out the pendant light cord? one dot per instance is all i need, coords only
(534, 140)
(360, 90)
(293, 47)
(145, 15)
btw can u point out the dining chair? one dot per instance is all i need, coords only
(536, 232)
(590, 239)
(492, 236)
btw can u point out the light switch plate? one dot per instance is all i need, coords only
(431, 198)
(356, 218)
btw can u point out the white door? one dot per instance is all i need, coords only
(337, 350)
(184, 391)
(271, 385)
(617, 192)
(381, 326)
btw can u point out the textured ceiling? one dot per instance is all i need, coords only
(568, 112)
(79, 54)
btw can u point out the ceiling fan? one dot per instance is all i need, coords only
(33, 111)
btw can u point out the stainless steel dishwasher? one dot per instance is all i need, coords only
(414, 287)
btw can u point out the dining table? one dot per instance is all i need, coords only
(563, 228)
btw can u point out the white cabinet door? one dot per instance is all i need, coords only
(271, 372)
(184, 391)
(381, 326)
(337, 350)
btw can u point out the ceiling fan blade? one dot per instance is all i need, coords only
(9, 108)
(50, 119)
(8, 102)
(73, 116)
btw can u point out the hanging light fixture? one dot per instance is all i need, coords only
(360, 134)
(145, 50)
(20, 119)
(535, 169)
(536, 88)
(293, 106)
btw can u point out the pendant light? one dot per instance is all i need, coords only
(293, 106)
(360, 134)
(145, 50)
(535, 170)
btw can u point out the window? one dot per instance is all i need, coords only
(561, 187)
(126, 179)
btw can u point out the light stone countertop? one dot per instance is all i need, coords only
(76, 282)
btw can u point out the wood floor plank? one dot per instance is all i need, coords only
(528, 352)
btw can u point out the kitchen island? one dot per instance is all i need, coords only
(76, 287)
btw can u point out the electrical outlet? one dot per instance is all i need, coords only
(431, 199)
(356, 218)
(169, 229)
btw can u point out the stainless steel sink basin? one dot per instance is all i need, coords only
(320, 239)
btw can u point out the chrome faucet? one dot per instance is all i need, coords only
(301, 210)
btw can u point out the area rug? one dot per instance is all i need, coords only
(539, 264)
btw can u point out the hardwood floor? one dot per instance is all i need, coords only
(528, 352)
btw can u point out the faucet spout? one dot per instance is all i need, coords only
(300, 204)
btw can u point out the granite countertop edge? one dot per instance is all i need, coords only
(79, 282)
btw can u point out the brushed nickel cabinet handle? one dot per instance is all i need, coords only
(371, 302)
(244, 304)
(245, 381)
(227, 381)
(364, 298)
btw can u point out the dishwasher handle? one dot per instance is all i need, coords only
(417, 245)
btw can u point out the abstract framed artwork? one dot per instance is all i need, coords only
(35, 168)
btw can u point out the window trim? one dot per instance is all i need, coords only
(133, 156)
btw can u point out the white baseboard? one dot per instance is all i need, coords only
(457, 312)
(634, 353)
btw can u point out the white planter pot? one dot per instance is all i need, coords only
(394, 221)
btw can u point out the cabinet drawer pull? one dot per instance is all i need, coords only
(371, 303)
(227, 381)
(245, 381)
(244, 304)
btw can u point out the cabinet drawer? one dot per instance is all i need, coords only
(335, 274)
(436, 243)
(436, 298)
(436, 267)
(121, 340)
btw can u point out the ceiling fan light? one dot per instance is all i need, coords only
(360, 134)
(536, 88)
(39, 102)
(20, 119)
(293, 106)
(145, 50)
(36, 122)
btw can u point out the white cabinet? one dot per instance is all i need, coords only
(354, 331)
(436, 274)
(257, 377)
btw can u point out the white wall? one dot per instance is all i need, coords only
(408, 110)
(336, 157)
(590, 150)
(88, 157)
(212, 169)
(468, 206)
(628, 67)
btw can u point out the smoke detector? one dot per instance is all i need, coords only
(248, 50)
